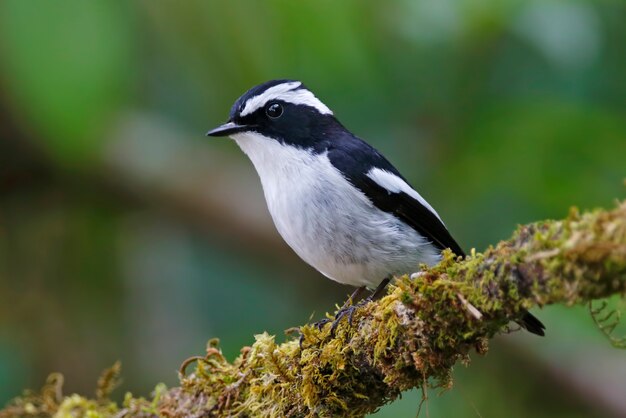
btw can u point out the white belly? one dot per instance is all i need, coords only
(328, 223)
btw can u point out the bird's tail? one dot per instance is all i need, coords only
(531, 324)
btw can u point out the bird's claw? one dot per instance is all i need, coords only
(341, 313)
(349, 311)
(301, 340)
(318, 324)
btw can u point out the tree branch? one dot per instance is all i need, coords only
(411, 337)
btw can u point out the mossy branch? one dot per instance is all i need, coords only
(411, 337)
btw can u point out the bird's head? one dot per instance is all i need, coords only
(282, 110)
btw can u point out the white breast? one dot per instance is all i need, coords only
(329, 223)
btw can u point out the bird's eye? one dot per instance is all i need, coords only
(274, 110)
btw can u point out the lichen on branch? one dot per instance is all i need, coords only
(411, 337)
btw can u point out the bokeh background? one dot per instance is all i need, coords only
(126, 234)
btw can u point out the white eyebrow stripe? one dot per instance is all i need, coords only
(395, 184)
(286, 92)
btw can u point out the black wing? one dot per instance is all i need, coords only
(355, 158)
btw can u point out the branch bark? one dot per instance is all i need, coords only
(411, 337)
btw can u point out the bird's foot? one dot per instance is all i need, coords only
(346, 311)
(318, 324)
(301, 339)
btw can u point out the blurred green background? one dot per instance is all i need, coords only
(126, 234)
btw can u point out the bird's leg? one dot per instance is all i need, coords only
(349, 302)
(349, 310)
(379, 290)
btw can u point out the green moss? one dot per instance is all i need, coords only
(410, 338)
(77, 406)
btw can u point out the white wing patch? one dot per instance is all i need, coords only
(287, 92)
(395, 184)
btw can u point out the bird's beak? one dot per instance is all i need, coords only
(226, 129)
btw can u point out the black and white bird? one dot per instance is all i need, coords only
(338, 203)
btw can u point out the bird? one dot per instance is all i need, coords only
(336, 200)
